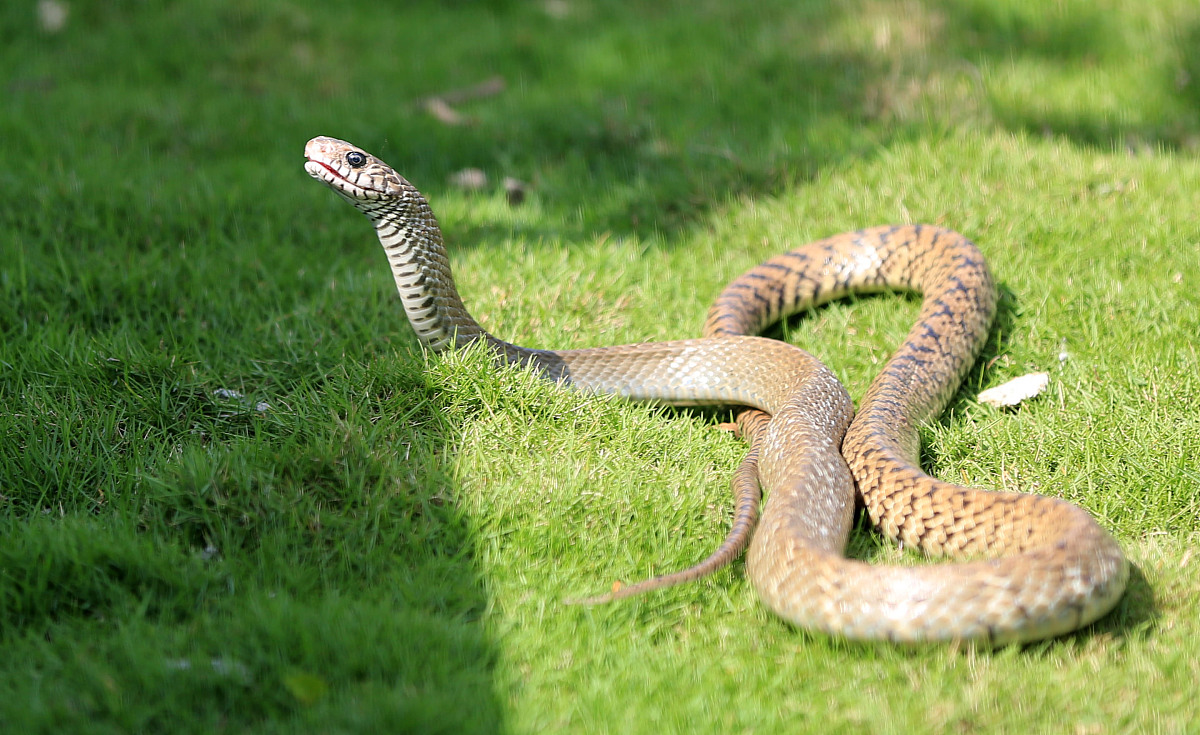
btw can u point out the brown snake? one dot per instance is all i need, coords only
(1051, 569)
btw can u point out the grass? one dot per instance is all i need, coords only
(235, 495)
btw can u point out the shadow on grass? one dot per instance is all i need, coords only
(658, 145)
(637, 119)
(291, 575)
(1135, 614)
(1082, 41)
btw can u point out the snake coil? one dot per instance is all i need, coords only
(1049, 568)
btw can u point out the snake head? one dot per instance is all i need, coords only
(360, 178)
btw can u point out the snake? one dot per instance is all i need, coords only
(1020, 567)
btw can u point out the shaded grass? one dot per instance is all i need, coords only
(236, 496)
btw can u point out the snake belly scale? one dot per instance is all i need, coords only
(1049, 568)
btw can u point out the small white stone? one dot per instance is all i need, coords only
(1015, 390)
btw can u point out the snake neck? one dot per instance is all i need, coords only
(412, 241)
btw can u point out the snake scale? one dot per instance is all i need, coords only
(1031, 566)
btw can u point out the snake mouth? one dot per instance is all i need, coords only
(337, 181)
(333, 171)
(318, 169)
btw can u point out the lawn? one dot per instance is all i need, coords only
(235, 496)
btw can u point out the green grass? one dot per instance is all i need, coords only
(385, 546)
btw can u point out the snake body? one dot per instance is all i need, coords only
(1055, 568)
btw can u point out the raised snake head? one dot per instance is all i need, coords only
(369, 184)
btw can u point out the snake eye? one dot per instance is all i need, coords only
(355, 159)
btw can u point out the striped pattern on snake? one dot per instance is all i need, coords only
(1056, 569)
